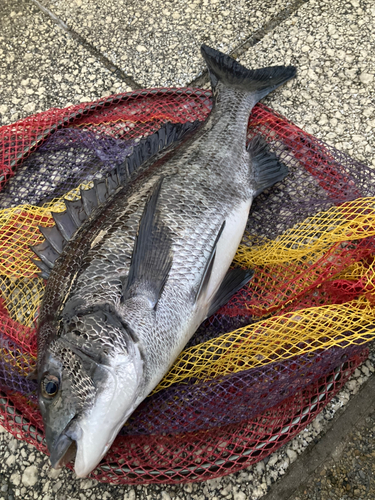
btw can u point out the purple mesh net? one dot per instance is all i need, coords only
(12, 372)
(67, 158)
(240, 396)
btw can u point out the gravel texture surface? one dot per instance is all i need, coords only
(332, 44)
(349, 476)
(43, 67)
(157, 43)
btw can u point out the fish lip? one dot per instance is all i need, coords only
(64, 450)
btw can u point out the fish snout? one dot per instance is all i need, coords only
(62, 447)
(63, 451)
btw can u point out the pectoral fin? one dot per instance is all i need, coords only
(152, 254)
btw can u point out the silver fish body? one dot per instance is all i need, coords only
(139, 275)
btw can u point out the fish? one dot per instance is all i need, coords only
(136, 264)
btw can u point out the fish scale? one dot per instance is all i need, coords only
(182, 209)
(142, 259)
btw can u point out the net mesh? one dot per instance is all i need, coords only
(199, 455)
(263, 366)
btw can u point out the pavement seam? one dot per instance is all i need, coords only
(330, 446)
(78, 38)
(255, 38)
(200, 80)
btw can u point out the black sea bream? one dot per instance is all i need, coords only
(142, 259)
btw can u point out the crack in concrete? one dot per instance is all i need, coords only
(104, 60)
(255, 38)
(329, 445)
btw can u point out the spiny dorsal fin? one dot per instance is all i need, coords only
(65, 224)
(54, 237)
(78, 211)
(265, 165)
(100, 186)
(152, 254)
(89, 199)
(113, 181)
(46, 253)
(45, 270)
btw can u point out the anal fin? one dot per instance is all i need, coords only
(233, 281)
(266, 167)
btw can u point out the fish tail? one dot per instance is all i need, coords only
(227, 72)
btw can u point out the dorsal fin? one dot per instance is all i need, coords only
(78, 211)
(46, 253)
(100, 186)
(54, 237)
(45, 270)
(65, 224)
(152, 254)
(89, 200)
(113, 181)
(149, 146)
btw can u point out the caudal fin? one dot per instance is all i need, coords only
(259, 82)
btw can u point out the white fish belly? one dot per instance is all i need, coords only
(226, 247)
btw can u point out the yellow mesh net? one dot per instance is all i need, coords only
(275, 339)
(299, 256)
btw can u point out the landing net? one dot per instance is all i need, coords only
(262, 367)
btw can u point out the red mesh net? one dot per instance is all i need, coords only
(194, 456)
(293, 335)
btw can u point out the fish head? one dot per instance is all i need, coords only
(89, 383)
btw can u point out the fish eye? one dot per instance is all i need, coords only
(50, 386)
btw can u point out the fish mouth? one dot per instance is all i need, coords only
(64, 451)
